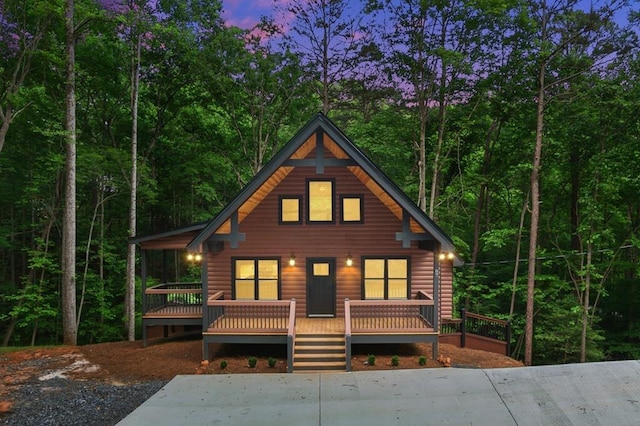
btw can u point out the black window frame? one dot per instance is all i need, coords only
(386, 276)
(333, 202)
(281, 198)
(359, 197)
(256, 278)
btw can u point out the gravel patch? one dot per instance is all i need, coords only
(62, 401)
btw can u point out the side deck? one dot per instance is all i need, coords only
(171, 304)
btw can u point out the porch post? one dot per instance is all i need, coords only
(436, 302)
(143, 296)
(204, 283)
(508, 338)
(463, 328)
(165, 269)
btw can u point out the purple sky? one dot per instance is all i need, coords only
(245, 13)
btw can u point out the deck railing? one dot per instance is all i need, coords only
(478, 325)
(249, 316)
(388, 316)
(172, 298)
(406, 318)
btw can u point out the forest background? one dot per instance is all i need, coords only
(514, 124)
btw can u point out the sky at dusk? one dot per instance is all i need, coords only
(245, 13)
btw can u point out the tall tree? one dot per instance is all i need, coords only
(437, 48)
(22, 28)
(556, 27)
(326, 34)
(69, 325)
(130, 291)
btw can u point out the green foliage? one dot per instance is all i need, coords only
(223, 364)
(252, 361)
(422, 361)
(272, 362)
(371, 360)
(395, 360)
(216, 102)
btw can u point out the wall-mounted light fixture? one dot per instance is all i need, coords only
(194, 257)
(292, 260)
(349, 261)
(446, 255)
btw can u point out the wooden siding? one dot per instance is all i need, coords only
(446, 289)
(376, 237)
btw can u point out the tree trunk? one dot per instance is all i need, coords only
(130, 294)
(585, 306)
(69, 328)
(422, 156)
(516, 267)
(535, 216)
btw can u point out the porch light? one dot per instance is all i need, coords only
(292, 260)
(446, 256)
(194, 257)
(349, 260)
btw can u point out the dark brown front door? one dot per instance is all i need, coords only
(321, 287)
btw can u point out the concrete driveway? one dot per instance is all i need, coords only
(574, 394)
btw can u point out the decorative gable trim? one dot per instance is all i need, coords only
(321, 129)
(406, 236)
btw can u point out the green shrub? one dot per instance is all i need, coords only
(252, 361)
(422, 360)
(395, 360)
(223, 364)
(371, 360)
(272, 362)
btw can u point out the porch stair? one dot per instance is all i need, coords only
(315, 353)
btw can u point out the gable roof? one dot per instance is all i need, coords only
(300, 145)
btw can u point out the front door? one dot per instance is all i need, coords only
(321, 287)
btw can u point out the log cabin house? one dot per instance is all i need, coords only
(318, 252)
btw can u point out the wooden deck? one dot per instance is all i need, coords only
(320, 326)
(175, 311)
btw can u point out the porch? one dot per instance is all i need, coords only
(258, 322)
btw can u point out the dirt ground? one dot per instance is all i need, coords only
(127, 362)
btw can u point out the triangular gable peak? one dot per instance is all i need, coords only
(321, 144)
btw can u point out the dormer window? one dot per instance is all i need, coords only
(320, 196)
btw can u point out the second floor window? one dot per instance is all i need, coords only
(320, 196)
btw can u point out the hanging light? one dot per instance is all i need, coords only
(292, 260)
(190, 257)
(349, 260)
